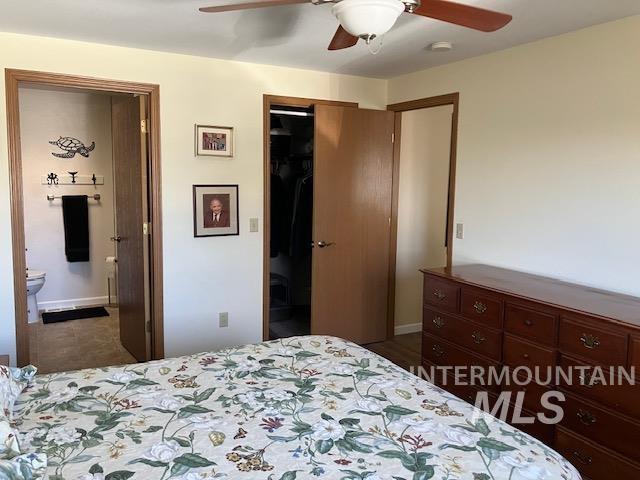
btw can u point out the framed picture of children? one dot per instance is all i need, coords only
(214, 141)
(215, 210)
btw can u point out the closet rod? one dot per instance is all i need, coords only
(53, 197)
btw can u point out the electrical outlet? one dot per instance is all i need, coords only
(253, 224)
(224, 319)
(459, 231)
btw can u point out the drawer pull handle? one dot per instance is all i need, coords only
(480, 307)
(478, 338)
(528, 322)
(590, 341)
(586, 459)
(439, 294)
(586, 417)
(525, 356)
(586, 380)
(438, 322)
(438, 350)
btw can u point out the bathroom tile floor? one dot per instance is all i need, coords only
(77, 344)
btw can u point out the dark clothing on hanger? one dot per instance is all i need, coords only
(302, 221)
(279, 224)
(75, 216)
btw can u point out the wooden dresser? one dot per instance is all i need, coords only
(487, 316)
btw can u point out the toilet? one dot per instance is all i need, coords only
(35, 282)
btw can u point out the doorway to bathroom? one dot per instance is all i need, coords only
(84, 159)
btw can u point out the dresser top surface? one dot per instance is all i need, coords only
(579, 298)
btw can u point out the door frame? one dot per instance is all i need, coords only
(399, 108)
(13, 79)
(268, 102)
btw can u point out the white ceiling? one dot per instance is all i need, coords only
(296, 36)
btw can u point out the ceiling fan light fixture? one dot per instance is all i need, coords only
(368, 19)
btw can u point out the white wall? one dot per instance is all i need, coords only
(203, 276)
(425, 146)
(548, 177)
(47, 115)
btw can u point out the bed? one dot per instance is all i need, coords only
(305, 407)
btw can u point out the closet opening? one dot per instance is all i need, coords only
(85, 192)
(291, 152)
(426, 133)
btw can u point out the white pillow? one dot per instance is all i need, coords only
(13, 381)
(9, 446)
(30, 466)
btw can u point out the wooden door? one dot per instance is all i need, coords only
(351, 227)
(131, 206)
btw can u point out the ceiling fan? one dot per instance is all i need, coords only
(368, 19)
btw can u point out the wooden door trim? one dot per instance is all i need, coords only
(268, 102)
(13, 79)
(429, 102)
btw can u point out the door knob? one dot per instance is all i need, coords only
(116, 239)
(323, 244)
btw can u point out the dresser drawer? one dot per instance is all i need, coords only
(621, 397)
(605, 427)
(443, 353)
(532, 391)
(518, 352)
(537, 326)
(592, 461)
(480, 306)
(475, 337)
(606, 347)
(441, 294)
(635, 352)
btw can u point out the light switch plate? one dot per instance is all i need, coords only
(459, 231)
(253, 225)
(224, 319)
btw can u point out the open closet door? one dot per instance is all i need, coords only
(351, 225)
(130, 174)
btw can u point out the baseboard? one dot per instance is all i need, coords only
(409, 328)
(74, 302)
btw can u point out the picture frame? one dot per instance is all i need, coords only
(213, 141)
(216, 211)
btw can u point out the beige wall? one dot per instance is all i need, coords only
(422, 207)
(203, 276)
(47, 115)
(548, 176)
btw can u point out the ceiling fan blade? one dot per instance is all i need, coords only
(464, 15)
(250, 5)
(342, 39)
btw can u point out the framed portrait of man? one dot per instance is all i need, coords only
(214, 141)
(215, 210)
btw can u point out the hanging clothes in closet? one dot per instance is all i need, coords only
(302, 219)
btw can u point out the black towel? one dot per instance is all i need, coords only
(75, 214)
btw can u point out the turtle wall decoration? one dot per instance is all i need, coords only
(72, 146)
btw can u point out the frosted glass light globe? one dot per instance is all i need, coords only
(368, 18)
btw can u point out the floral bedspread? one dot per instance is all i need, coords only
(305, 407)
